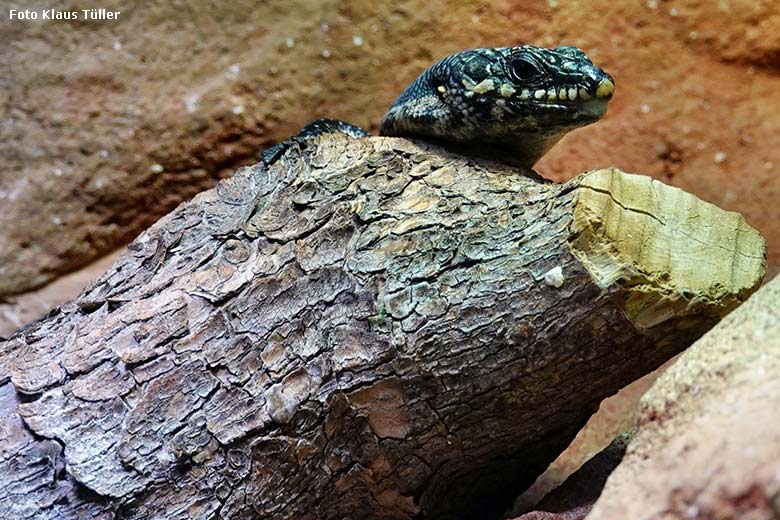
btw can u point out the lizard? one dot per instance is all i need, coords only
(513, 103)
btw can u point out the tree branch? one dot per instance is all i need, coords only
(371, 328)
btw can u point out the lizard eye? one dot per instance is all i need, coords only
(522, 70)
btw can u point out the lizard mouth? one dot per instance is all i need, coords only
(567, 95)
(591, 109)
(579, 101)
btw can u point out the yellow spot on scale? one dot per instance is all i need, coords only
(506, 90)
(606, 89)
(468, 84)
(486, 85)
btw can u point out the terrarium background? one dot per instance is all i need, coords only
(106, 126)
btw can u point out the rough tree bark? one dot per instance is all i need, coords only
(368, 329)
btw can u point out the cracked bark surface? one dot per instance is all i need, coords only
(369, 328)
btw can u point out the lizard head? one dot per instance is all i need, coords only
(521, 98)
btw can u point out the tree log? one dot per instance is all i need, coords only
(369, 328)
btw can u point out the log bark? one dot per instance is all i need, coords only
(369, 328)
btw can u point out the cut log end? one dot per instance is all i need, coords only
(676, 254)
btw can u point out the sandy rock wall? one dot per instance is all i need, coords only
(108, 125)
(709, 428)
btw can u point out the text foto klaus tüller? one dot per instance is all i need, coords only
(55, 14)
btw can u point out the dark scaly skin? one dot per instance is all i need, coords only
(488, 97)
(510, 102)
(313, 129)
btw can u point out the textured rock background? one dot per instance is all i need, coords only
(708, 444)
(106, 126)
